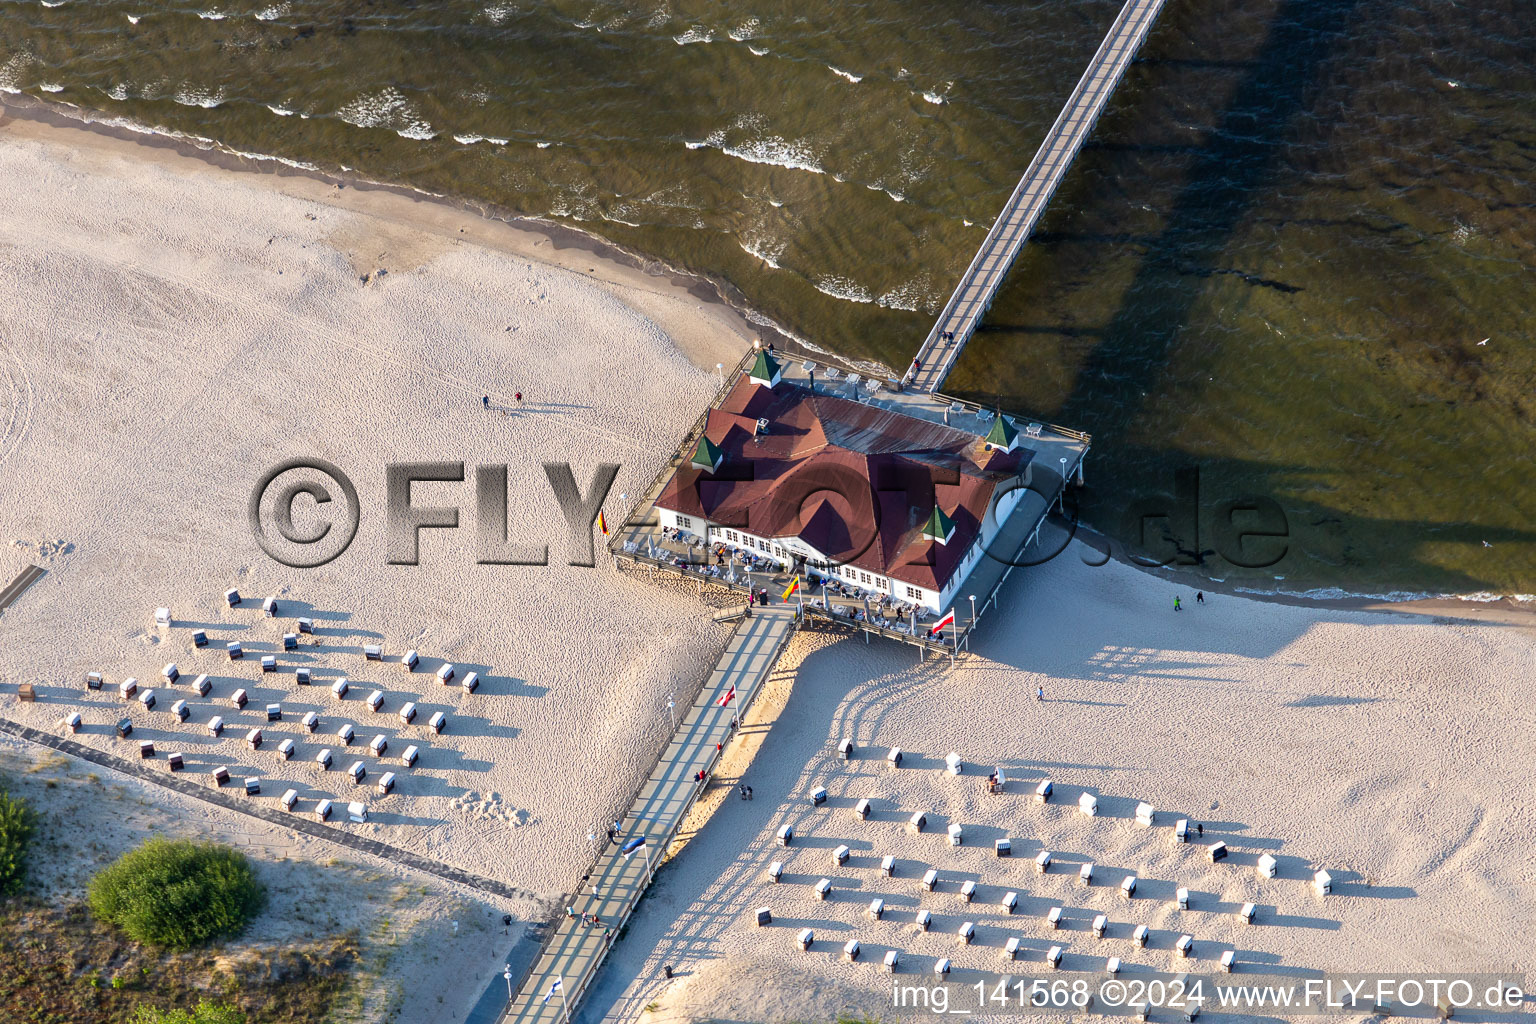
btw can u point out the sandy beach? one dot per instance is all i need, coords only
(172, 329)
(1391, 749)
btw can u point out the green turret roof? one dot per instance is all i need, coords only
(1003, 433)
(707, 455)
(766, 367)
(939, 527)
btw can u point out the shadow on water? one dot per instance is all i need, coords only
(1230, 172)
(1319, 541)
(1226, 180)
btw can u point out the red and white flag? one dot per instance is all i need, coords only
(730, 695)
(947, 620)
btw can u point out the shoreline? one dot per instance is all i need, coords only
(520, 234)
(86, 128)
(1476, 607)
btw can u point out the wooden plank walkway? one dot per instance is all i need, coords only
(1014, 225)
(18, 586)
(577, 948)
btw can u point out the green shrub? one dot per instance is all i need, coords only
(178, 893)
(17, 822)
(205, 1013)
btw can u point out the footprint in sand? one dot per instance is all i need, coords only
(44, 549)
(488, 807)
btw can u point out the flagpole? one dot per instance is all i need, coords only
(563, 1004)
(647, 849)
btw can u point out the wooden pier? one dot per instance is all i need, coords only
(1014, 225)
(552, 989)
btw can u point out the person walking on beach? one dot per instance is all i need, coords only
(743, 792)
(485, 402)
(1199, 829)
(1200, 597)
(749, 792)
(1039, 693)
(519, 399)
(1176, 606)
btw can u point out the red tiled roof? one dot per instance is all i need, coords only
(855, 482)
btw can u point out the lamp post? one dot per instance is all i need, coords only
(720, 369)
(508, 975)
(672, 710)
(1062, 498)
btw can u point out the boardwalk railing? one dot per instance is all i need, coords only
(697, 571)
(979, 285)
(582, 949)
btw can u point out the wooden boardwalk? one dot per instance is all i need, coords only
(554, 987)
(1017, 221)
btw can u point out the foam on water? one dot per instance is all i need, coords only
(840, 73)
(133, 19)
(844, 288)
(776, 152)
(694, 35)
(915, 296)
(496, 14)
(201, 142)
(213, 15)
(757, 51)
(50, 87)
(11, 70)
(197, 96)
(280, 111)
(773, 150)
(766, 249)
(746, 30)
(387, 108)
(272, 13)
